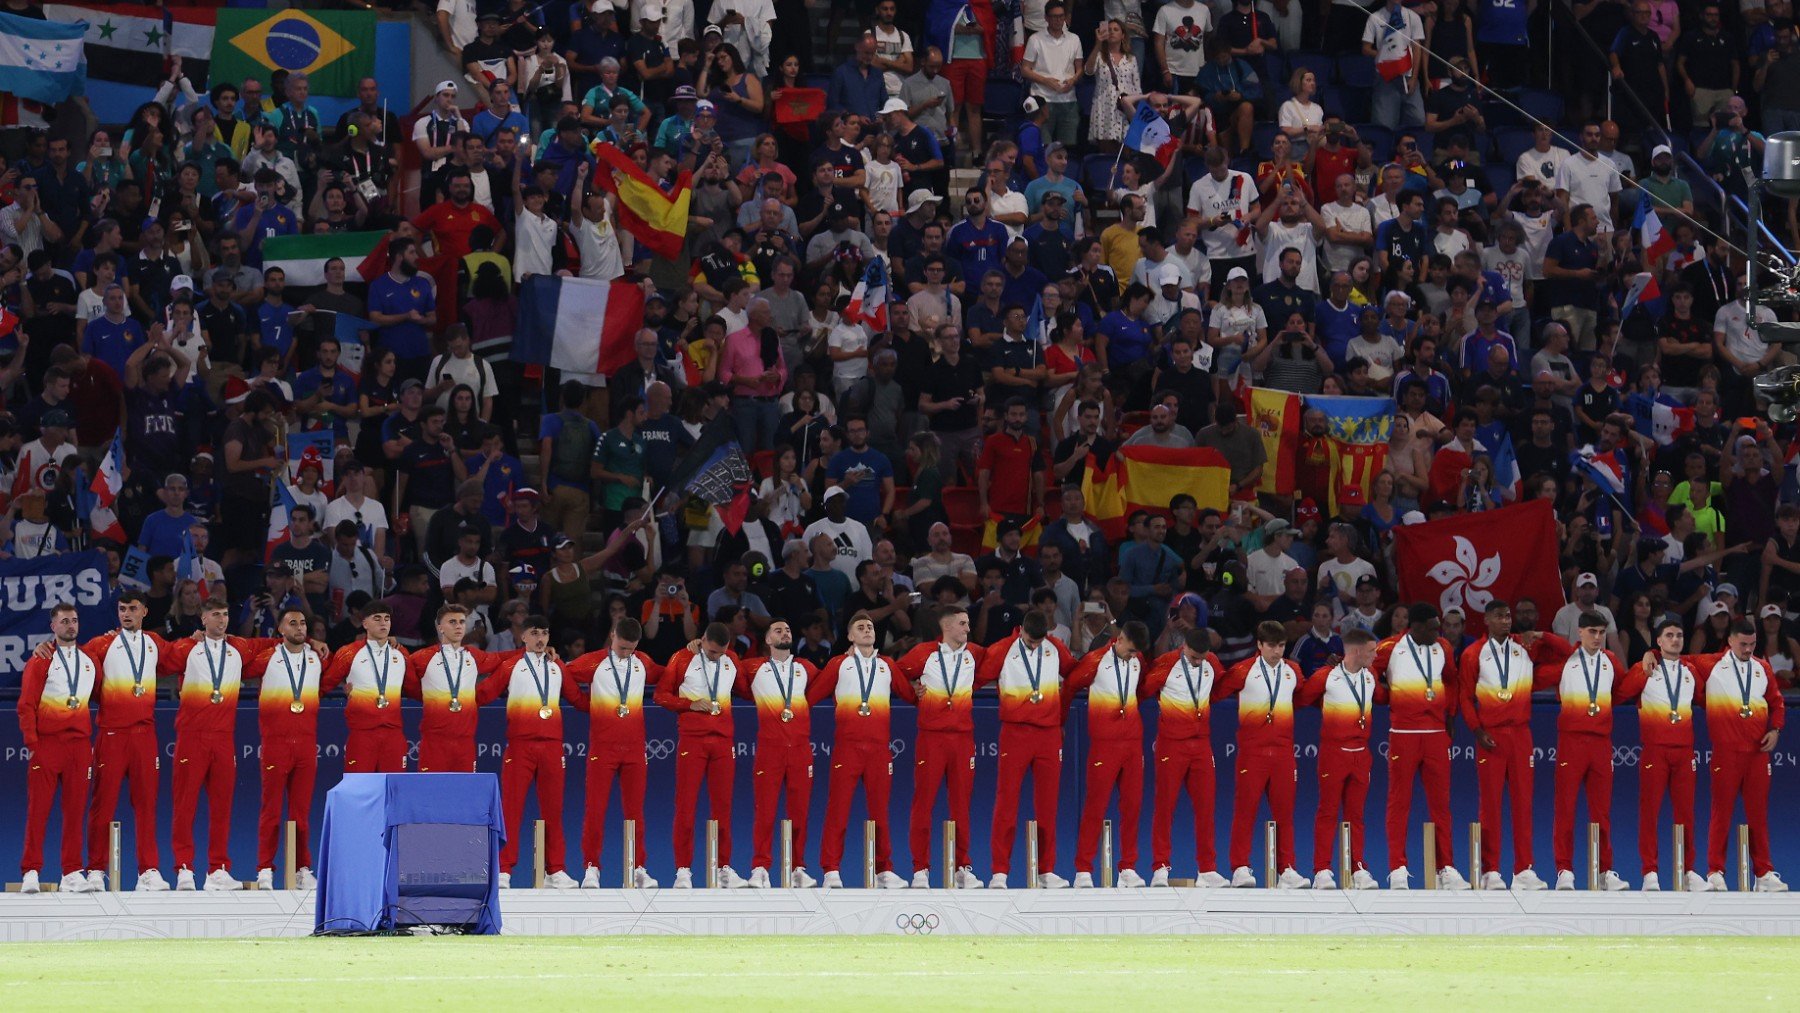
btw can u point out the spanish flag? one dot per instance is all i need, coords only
(657, 219)
(1147, 478)
(1275, 414)
(1030, 530)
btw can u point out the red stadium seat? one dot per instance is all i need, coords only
(962, 504)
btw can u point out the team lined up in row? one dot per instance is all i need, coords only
(1424, 683)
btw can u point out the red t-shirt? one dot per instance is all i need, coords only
(1009, 461)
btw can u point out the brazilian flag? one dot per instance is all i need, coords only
(335, 49)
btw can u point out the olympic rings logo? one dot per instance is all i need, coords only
(659, 749)
(917, 924)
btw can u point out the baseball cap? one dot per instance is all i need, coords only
(1236, 273)
(894, 105)
(712, 30)
(525, 573)
(1661, 149)
(58, 417)
(1006, 527)
(1412, 517)
(487, 16)
(1366, 580)
(919, 198)
(1587, 580)
(410, 383)
(1055, 195)
(705, 106)
(1713, 608)
(834, 492)
(684, 93)
(181, 282)
(445, 86)
(1726, 588)
(1769, 610)
(1276, 528)
(1351, 495)
(1032, 104)
(651, 12)
(527, 493)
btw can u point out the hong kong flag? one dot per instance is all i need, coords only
(1470, 561)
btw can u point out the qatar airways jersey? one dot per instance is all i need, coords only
(1184, 692)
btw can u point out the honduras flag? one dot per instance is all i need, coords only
(41, 60)
(1150, 134)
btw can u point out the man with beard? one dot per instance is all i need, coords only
(288, 719)
(403, 305)
(449, 222)
(778, 685)
(1009, 472)
(54, 723)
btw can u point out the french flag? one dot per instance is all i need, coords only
(1670, 422)
(111, 476)
(1656, 239)
(1606, 469)
(1506, 469)
(868, 301)
(1149, 133)
(279, 529)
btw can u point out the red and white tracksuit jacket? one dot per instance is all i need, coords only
(1495, 689)
(212, 673)
(290, 746)
(862, 689)
(1421, 681)
(1114, 687)
(704, 748)
(533, 687)
(1184, 689)
(125, 748)
(1739, 766)
(604, 685)
(945, 686)
(55, 724)
(1030, 740)
(1265, 763)
(1584, 747)
(783, 751)
(1348, 700)
(377, 742)
(443, 679)
(1665, 695)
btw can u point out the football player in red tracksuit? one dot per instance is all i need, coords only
(1498, 675)
(1185, 684)
(1421, 679)
(55, 724)
(777, 685)
(288, 719)
(444, 678)
(610, 684)
(944, 673)
(1264, 685)
(375, 668)
(1112, 677)
(1744, 715)
(697, 686)
(1665, 686)
(1029, 667)
(1584, 680)
(212, 672)
(862, 684)
(533, 686)
(1348, 694)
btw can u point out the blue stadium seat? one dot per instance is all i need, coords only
(1319, 64)
(1192, 170)
(1096, 175)
(1541, 105)
(1380, 138)
(819, 81)
(1262, 135)
(1356, 70)
(1003, 93)
(1355, 103)
(1427, 142)
(1244, 163)
(1511, 144)
(1499, 177)
(1502, 116)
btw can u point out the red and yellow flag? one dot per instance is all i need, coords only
(1029, 532)
(1275, 414)
(657, 219)
(1147, 478)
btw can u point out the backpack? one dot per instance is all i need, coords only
(572, 451)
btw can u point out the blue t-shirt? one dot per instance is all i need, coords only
(113, 343)
(161, 534)
(503, 477)
(976, 249)
(1501, 22)
(550, 426)
(1128, 340)
(341, 390)
(486, 124)
(276, 221)
(865, 495)
(407, 340)
(273, 324)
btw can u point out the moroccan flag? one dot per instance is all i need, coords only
(1472, 560)
(1147, 478)
(335, 49)
(1276, 416)
(796, 109)
(1359, 428)
(655, 218)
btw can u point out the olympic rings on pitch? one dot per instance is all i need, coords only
(917, 924)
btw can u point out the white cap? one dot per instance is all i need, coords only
(1713, 608)
(834, 492)
(1587, 580)
(919, 198)
(1661, 149)
(705, 106)
(1236, 273)
(443, 86)
(180, 282)
(1168, 274)
(894, 105)
(651, 12)
(1769, 610)
(1412, 517)
(1032, 104)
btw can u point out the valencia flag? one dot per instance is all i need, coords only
(656, 218)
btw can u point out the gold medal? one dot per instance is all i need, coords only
(381, 701)
(787, 714)
(863, 710)
(714, 704)
(455, 705)
(218, 697)
(1674, 717)
(1121, 712)
(1593, 710)
(1743, 712)
(544, 713)
(623, 711)
(297, 707)
(73, 703)
(1037, 697)
(137, 690)
(1430, 694)
(1362, 722)
(949, 701)
(1505, 695)
(1269, 719)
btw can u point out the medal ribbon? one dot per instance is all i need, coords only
(541, 683)
(1671, 686)
(951, 676)
(215, 668)
(1032, 675)
(381, 670)
(863, 686)
(136, 663)
(786, 686)
(1593, 682)
(1358, 692)
(294, 683)
(454, 678)
(1423, 666)
(72, 671)
(620, 685)
(1502, 661)
(1271, 679)
(1743, 677)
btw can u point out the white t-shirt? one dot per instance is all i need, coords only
(1513, 266)
(1148, 192)
(1265, 573)
(1380, 354)
(1590, 181)
(90, 305)
(536, 238)
(1232, 196)
(1055, 58)
(473, 371)
(1184, 28)
(1355, 218)
(883, 181)
(371, 514)
(851, 539)
(1539, 230)
(1294, 114)
(598, 242)
(1389, 44)
(891, 44)
(1012, 202)
(848, 338)
(1279, 237)
(1542, 164)
(1741, 340)
(463, 29)
(454, 569)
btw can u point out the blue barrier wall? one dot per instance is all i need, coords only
(661, 732)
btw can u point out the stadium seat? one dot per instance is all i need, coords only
(1539, 104)
(1263, 135)
(1097, 174)
(1427, 142)
(1380, 138)
(1352, 103)
(819, 81)
(962, 504)
(1511, 144)
(1003, 93)
(966, 539)
(902, 497)
(1319, 64)
(1355, 70)
(1499, 177)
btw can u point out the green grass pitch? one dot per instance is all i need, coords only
(864, 973)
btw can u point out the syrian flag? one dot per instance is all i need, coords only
(303, 258)
(581, 325)
(279, 524)
(868, 302)
(1149, 133)
(128, 47)
(1669, 422)
(111, 476)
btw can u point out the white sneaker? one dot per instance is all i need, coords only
(684, 879)
(1084, 881)
(74, 882)
(1493, 881)
(1130, 880)
(306, 879)
(1160, 877)
(1324, 880)
(1715, 883)
(1651, 883)
(1527, 879)
(1397, 879)
(802, 879)
(759, 878)
(921, 879)
(1242, 877)
(560, 880)
(96, 881)
(151, 881)
(1051, 881)
(590, 880)
(1565, 879)
(1697, 883)
(1450, 879)
(1291, 880)
(833, 881)
(889, 880)
(1770, 882)
(184, 880)
(505, 879)
(640, 879)
(730, 880)
(265, 879)
(1210, 880)
(220, 879)
(1613, 882)
(28, 883)
(998, 882)
(1361, 880)
(967, 880)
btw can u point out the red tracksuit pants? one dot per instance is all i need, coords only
(1666, 770)
(290, 763)
(872, 765)
(1111, 764)
(119, 755)
(1184, 764)
(604, 763)
(1504, 773)
(441, 754)
(1038, 751)
(531, 762)
(1266, 770)
(1425, 755)
(377, 751)
(57, 762)
(944, 757)
(1343, 797)
(780, 765)
(709, 758)
(1734, 773)
(203, 760)
(1583, 759)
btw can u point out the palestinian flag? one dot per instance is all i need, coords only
(304, 257)
(131, 43)
(654, 217)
